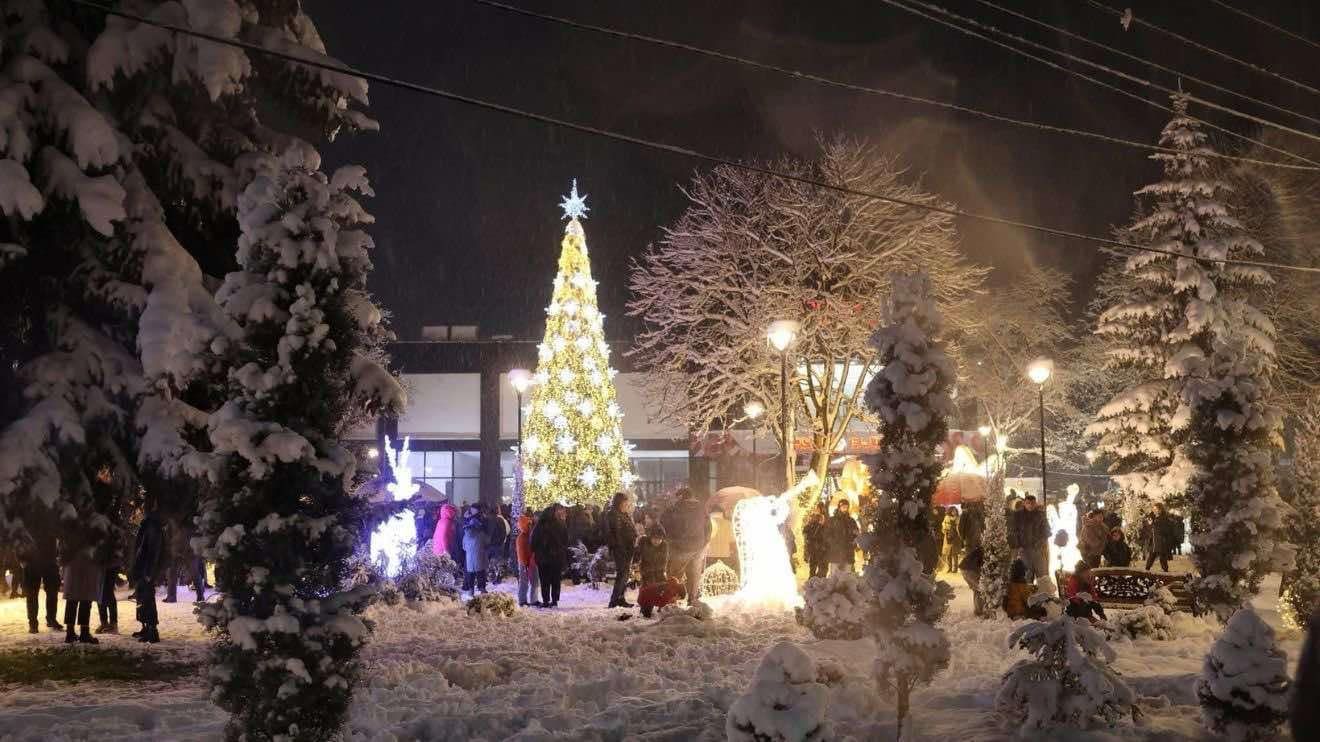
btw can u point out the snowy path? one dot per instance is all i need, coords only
(579, 674)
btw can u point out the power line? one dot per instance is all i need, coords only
(1110, 70)
(1140, 60)
(1090, 79)
(671, 148)
(859, 88)
(1129, 18)
(1266, 23)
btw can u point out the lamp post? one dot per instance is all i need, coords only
(753, 410)
(781, 335)
(1039, 372)
(984, 430)
(520, 379)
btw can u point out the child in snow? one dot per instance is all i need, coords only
(660, 594)
(1079, 591)
(653, 556)
(1019, 590)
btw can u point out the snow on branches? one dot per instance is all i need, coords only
(784, 703)
(289, 633)
(1243, 688)
(1301, 586)
(911, 397)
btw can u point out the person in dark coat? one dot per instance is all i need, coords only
(497, 535)
(184, 564)
(1033, 535)
(1011, 521)
(1305, 717)
(550, 549)
(1117, 551)
(621, 538)
(41, 570)
(841, 536)
(688, 530)
(816, 542)
(970, 569)
(476, 537)
(1113, 520)
(149, 551)
(1160, 537)
(653, 556)
(971, 525)
(82, 585)
(1093, 537)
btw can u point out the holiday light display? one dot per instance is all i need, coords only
(719, 579)
(767, 575)
(573, 448)
(398, 534)
(1063, 517)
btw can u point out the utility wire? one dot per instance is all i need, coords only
(861, 88)
(1266, 23)
(1126, 18)
(1147, 62)
(671, 148)
(1110, 70)
(1090, 79)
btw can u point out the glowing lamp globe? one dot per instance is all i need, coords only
(1073, 489)
(1040, 370)
(520, 379)
(753, 409)
(984, 430)
(782, 333)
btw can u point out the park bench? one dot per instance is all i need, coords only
(1121, 587)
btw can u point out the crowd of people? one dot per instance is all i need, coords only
(53, 561)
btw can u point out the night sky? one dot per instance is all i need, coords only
(467, 225)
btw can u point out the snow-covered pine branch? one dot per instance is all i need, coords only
(911, 397)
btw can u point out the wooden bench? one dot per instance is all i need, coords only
(1121, 587)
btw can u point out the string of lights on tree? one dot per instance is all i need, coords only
(573, 448)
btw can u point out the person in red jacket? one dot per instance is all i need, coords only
(445, 529)
(660, 594)
(528, 582)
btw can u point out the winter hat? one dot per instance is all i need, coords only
(655, 531)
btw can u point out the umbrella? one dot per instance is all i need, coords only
(726, 498)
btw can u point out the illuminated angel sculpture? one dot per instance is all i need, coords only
(393, 538)
(767, 574)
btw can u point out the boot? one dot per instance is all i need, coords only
(85, 637)
(108, 628)
(53, 624)
(149, 635)
(626, 604)
(69, 636)
(32, 627)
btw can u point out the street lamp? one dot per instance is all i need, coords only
(753, 410)
(520, 379)
(781, 334)
(984, 430)
(1039, 372)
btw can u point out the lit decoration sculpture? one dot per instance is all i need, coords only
(719, 579)
(573, 451)
(767, 580)
(1063, 517)
(396, 536)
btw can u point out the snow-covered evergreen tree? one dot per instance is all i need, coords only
(910, 395)
(1068, 684)
(997, 558)
(282, 523)
(1243, 688)
(1301, 594)
(785, 703)
(1195, 421)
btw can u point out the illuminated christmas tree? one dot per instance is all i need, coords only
(573, 448)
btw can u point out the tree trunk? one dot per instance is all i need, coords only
(901, 708)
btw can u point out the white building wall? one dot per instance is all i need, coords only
(442, 406)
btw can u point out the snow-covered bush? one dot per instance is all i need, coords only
(840, 606)
(997, 558)
(1068, 684)
(1243, 688)
(911, 396)
(1163, 598)
(426, 577)
(1147, 621)
(281, 523)
(698, 610)
(588, 565)
(492, 604)
(785, 703)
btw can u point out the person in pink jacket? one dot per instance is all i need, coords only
(444, 530)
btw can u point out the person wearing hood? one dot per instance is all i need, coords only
(476, 536)
(529, 583)
(653, 556)
(41, 569)
(445, 526)
(550, 550)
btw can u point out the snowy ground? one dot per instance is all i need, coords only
(578, 673)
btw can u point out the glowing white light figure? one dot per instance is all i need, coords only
(393, 539)
(767, 580)
(1063, 517)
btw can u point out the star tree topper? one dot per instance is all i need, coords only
(574, 206)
